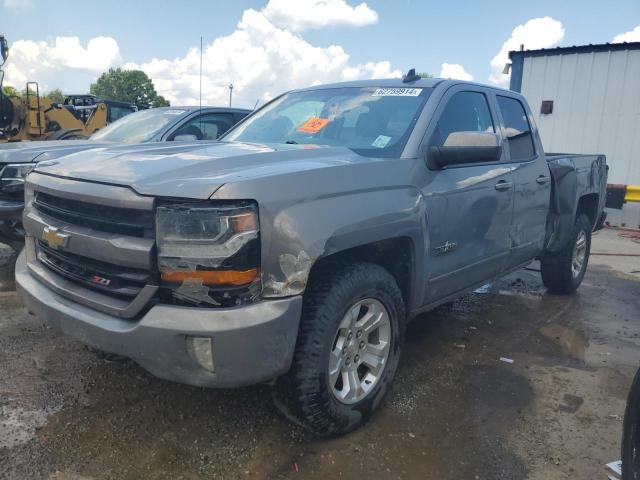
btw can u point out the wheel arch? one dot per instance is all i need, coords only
(397, 255)
(588, 204)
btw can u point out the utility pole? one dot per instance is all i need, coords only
(230, 93)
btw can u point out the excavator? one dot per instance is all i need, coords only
(34, 118)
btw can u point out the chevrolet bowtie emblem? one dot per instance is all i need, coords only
(55, 238)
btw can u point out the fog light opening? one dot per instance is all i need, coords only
(201, 350)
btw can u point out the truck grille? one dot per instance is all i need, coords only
(125, 221)
(101, 276)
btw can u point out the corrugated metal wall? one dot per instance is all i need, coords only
(596, 109)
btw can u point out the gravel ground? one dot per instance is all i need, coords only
(457, 411)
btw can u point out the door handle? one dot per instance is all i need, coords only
(502, 186)
(542, 179)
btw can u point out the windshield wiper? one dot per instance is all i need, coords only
(291, 142)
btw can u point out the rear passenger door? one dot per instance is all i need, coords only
(532, 181)
(469, 205)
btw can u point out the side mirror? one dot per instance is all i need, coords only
(465, 147)
(185, 138)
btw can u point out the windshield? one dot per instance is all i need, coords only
(372, 121)
(139, 126)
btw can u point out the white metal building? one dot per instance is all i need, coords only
(586, 99)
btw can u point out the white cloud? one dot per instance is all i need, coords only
(455, 71)
(17, 4)
(299, 15)
(631, 36)
(536, 33)
(261, 59)
(54, 66)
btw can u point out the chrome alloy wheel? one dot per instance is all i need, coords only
(360, 351)
(579, 253)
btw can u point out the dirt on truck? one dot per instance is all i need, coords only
(296, 249)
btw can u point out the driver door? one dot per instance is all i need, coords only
(469, 204)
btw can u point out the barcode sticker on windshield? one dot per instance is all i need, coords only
(396, 92)
(381, 141)
(174, 112)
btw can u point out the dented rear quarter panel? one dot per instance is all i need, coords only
(573, 177)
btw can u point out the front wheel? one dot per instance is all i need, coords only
(562, 272)
(348, 349)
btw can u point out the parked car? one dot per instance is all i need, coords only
(155, 125)
(295, 250)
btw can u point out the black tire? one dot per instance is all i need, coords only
(631, 433)
(304, 394)
(556, 268)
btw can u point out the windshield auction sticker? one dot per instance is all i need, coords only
(313, 125)
(396, 92)
(173, 112)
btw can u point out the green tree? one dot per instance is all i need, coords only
(55, 96)
(160, 101)
(133, 86)
(11, 92)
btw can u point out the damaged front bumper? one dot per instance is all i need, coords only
(249, 344)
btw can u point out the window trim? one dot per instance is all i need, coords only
(503, 125)
(442, 104)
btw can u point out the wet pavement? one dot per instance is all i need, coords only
(456, 411)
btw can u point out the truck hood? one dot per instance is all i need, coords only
(26, 152)
(191, 170)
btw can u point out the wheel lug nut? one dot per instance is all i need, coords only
(344, 350)
(350, 336)
(348, 360)
(356, 358)
(359, 334)
(361, 344)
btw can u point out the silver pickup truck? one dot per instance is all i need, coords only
(295, 250)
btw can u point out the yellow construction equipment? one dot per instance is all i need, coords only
(34, 118)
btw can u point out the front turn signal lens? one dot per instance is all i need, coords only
(213, 277)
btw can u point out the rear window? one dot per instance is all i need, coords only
(518, 129)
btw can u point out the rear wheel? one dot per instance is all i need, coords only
(562, 272)
(348, 349)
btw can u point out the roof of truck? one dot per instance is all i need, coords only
(388, 82)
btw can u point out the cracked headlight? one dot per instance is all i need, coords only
(12, 176)
(207, 248)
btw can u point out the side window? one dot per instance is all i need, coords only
(465, 112)
(208, 126)
(518, 129)
(116, 113)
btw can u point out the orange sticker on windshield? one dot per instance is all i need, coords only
(313, 125)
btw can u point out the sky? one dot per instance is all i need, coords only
(270, 46)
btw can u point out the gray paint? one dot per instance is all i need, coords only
(263, 333)
(317, 202)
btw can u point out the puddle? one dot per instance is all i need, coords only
(572, 342)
